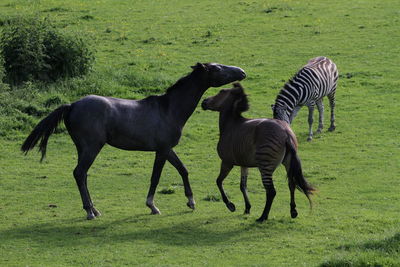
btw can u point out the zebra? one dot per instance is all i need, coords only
(310, 84)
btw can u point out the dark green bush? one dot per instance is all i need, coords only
(33, 49)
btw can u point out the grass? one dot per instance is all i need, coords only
(142, 48)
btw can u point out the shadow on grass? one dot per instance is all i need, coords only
(173, 229)
(385, 247)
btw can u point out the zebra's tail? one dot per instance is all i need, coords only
(295, 173)
(44, 129)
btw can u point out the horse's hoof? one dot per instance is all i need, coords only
(96, 212)
(155, 211)
(231, 206)
(293, 213)
(90, 216)
(332, 128)
(190, 205)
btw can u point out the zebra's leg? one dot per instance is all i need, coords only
(177, 163)
(266, 177)
(243, 188)
(294, 113)
(224, 171)
(159, 161)
(320, 106)
(331, 98)
(310, 121)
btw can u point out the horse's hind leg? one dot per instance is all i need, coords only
(86, 156)
(177, 163)
(224, 171)
(243, 188)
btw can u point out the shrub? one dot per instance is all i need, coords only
(3, 86)
(33, 49)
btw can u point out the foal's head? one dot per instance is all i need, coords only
(216, 75)
(234, 99)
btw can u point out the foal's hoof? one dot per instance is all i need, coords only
(231, 206)
(260, 220)
(332, 128)
(293, 213)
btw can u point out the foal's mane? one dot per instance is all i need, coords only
(241, 103)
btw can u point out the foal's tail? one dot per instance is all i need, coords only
(44, 129)
(295, 173)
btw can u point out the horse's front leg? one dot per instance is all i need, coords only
(180, 167)
(224, 171)
(161, 157)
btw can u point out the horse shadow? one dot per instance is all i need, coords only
(188, 232)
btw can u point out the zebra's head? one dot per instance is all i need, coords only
(280, 112)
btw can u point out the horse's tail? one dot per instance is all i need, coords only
(295, 173)
(44, 129)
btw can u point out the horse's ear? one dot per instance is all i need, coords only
(199, 66)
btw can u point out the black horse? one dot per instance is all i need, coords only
(151, 124)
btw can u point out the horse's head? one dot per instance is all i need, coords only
(216, 75)
(234, 99)
(280, 112)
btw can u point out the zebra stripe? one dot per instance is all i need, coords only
(310, 84)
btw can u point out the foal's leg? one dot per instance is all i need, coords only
(177, 163)
(292, 187)
(86, 156)
(224, 171)
(320, 106)
(266, 177)
(310, 121)
(331, 98)
(159, 161)
(243, 188)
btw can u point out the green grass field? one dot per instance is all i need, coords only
(142, 47)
